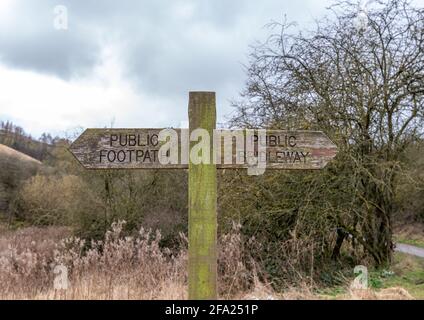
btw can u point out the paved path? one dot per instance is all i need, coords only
(407, 248)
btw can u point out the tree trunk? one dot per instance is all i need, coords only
(341, 236)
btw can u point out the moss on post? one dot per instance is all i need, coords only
(202, 261)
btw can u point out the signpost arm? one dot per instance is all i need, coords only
(202, 213)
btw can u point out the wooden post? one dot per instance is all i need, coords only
(202, 216)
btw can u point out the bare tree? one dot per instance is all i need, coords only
(362, 84)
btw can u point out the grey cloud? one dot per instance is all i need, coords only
(164, 54)
(148, 27)
(61, 55)
(31, 42)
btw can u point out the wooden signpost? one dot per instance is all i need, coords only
(202, 150)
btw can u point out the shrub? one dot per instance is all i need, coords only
(56, 200)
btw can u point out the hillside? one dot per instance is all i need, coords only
(16, 138)
(9, 152)
(16, 167)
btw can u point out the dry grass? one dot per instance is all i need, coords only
(395, 293)
(116, 268)
(40, 240)
(132, 268)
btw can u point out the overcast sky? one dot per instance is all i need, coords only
(131, 61)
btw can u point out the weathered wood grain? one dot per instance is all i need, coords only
(202, 204)
(297, 150)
